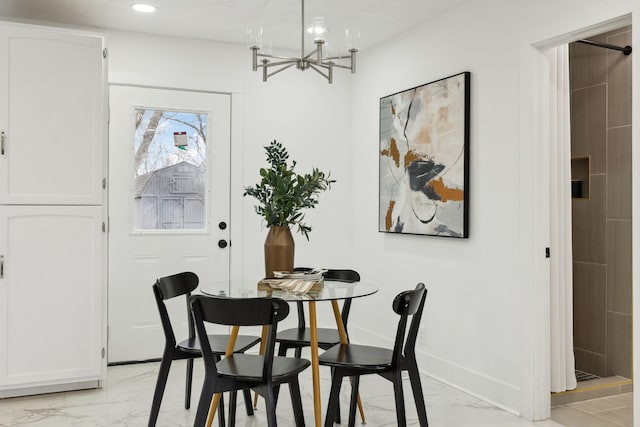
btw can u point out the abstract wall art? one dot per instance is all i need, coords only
(424, 159)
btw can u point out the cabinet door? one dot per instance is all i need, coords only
(52, 115)
(51, 293)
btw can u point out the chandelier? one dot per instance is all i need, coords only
(315, 60)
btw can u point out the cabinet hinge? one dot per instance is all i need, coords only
(104, 183)
(103, 352)
(104, 227)
(104, 52)
(2, 137)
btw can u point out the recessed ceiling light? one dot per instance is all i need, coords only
(144, 8)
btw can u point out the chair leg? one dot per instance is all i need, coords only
(203, 404)
(355, 385)
(232, 408)
(296, 402)
(187, 388)
(247, 401)
(418, 396)
(161, 382)
(298, 352)
(399, 397)
(271, 406)
(221, 421)
(334, 397)
(337, 419)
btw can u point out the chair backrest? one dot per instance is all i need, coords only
(349, 276)
(408, 304)
(170, 287)
(238, 312)
(344, 275)
(338, 275)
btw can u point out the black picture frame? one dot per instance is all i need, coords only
(424, 159)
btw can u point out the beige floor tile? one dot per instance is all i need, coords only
(625, 399)
(571, 417)
(598, 405)
(622, 416)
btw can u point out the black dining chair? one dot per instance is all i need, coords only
(262, 373)
(173, 286)
(354, 360)
(300, 337)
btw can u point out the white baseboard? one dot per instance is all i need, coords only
(54, 388)
(492, 390)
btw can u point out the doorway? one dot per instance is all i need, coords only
(601, 174)
(169, 189)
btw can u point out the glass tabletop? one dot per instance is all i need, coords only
(248, 288)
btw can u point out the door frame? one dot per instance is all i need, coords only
(534, 128)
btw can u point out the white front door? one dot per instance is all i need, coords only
(169, 156)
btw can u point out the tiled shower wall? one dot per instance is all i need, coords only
(601, 131)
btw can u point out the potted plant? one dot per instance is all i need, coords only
(282, 194)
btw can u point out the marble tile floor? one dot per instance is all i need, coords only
(126, 397)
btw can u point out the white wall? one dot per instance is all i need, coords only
(485, 319)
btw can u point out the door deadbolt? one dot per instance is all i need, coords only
(222, 243)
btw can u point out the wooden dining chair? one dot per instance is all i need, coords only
(262, 373)
(173, 286)
(352, 360)
(300, 337)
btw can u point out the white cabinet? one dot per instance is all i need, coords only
(52, 209)
(51, 116)
(51, 295)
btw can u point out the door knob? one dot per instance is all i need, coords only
(222, 243)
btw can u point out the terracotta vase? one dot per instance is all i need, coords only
(279, 249)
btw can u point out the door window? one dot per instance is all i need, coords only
(170, 170)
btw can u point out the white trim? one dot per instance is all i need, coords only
(31, 390)
(494, 390)
(190, 84)
(635, 207)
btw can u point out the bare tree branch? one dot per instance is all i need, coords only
(147, 138)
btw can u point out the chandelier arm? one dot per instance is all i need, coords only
(317, 70)
(278, 70)
(275, 64)
(346, 67)
(310, 55)
(335, 58)
(266, 55)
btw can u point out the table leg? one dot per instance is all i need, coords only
(315, 367)
(228, 352)
(345, 340)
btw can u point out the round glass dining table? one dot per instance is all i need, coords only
(332, 291)
(248, 288)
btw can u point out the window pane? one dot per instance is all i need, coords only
(170, 170)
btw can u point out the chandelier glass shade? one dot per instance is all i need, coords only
(314, 60)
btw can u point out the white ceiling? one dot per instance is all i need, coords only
(227, 20)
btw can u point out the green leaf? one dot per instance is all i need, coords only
(282, 193)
